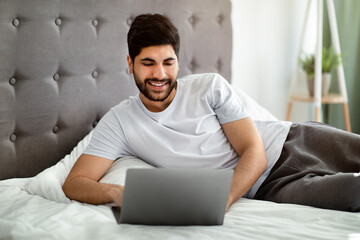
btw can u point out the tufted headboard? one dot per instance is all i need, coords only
(63, 66)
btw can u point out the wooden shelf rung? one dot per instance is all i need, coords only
(328, 99)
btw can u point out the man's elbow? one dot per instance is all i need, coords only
(263, 164)
(263, 161)
(67, 187)
(262, 156)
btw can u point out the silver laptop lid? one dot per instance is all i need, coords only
(175, 196)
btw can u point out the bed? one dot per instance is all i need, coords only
(62, 67)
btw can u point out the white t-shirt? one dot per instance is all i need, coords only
(187, 134)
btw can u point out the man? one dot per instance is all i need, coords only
(198, 121)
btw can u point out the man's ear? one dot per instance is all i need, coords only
(178, 63)
(130, 64)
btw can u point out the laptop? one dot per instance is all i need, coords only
(163, 196)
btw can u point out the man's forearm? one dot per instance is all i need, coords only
(249, 168)
(246, 141)
(89, 191)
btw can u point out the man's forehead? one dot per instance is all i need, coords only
(157, 53)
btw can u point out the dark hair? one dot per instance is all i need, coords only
(151, 30)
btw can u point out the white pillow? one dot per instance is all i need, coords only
(48, 183)
(117, 173)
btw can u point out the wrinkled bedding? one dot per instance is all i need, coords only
(25, 216)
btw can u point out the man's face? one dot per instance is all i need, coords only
(155, 72)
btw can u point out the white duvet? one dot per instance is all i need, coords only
(25, 216)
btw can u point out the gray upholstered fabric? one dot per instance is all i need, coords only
(63, 65)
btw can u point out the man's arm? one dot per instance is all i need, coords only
(82, 183)
(245, 139)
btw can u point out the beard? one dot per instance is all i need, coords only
(152, 95)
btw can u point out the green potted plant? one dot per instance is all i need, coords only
(330, 61)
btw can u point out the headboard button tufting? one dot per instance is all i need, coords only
(58, 21)
(60, 54)
(16, 22)
(129, 21)
(13, 137)
(218, 65)
(219, 19)
(12, 81)
(56, 76)
(191, 20)
(191, 66)
(56, 129)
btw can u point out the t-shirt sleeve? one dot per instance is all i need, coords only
(108, 139)
(225, 102)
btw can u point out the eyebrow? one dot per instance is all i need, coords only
(170, 59)
(147, 59)
(152, 60)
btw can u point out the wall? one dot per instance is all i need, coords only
(266, 39)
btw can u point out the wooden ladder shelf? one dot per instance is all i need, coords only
(317, 98)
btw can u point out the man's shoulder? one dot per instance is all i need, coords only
(124, 106)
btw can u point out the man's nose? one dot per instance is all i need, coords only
(159, 72)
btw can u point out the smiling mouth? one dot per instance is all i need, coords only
(158, 84)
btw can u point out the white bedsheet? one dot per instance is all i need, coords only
(24, 216)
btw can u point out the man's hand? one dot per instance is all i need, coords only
(227, 206)
(117, 193)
